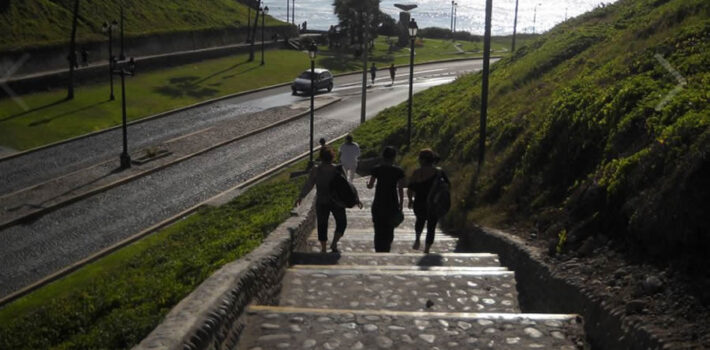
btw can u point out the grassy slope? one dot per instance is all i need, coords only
(115, 302)
(30, 23)
(51, 118)
(575, 144)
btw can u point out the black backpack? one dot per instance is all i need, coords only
(342, 192)
(439, 198)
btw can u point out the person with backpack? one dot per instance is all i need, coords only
(389, 196)
(321, 176)
(429, 186)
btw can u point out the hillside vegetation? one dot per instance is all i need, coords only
(583, 143)
(32, 23)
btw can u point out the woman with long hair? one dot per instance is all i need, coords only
(419, 187)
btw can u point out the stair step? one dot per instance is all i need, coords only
(271, 327)
(399, 245)
(365, 221)
(463, 290)
(387, 259)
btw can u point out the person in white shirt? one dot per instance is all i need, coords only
(349, 154)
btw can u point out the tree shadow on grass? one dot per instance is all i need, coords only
(185, 86)
(55, 103)
(68, 113)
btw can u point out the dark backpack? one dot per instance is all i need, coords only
(342, 192)
(439, 198)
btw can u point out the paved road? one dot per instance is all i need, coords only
(67, 235)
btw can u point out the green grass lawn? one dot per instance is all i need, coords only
(35, 23)
(51, 118)
(116, 301)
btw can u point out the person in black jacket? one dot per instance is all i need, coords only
(389, 196)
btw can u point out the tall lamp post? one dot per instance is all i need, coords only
(121, 56)
(123, 69)
(515, 26)
(312, 52)
(264, 12)
(412, 36)
(253, 31)
(451, 27)
(108, 28)
(484, 82)
(535, 17)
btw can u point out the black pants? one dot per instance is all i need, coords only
(430, 221)
(323, 212)
(384, 234)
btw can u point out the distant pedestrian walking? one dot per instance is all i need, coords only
(389, 195)
(84, 57)
(373, 72)
(393, 71)
(421, 187)
(321, 177)
(349, 154)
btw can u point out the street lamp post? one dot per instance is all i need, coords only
(365, 48)
(515, 26)
(484, 82)
(312, 52)
(293, 12)
(109, 27)
(412, 36)
(264, 12)
(451, 27)
(249, 21)
(253, 31)
(124, 69)
(535, 17)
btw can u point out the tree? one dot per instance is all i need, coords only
(357, 18)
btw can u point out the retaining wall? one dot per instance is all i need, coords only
(209, 318)
(541, 290)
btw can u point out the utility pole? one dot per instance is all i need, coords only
(122, 56)
(288, 10)
(293, 12)
(253, 32)
(484, 83)
(515, 26)
(452, 20)
(72, 51)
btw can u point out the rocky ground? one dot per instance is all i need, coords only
(663, 299)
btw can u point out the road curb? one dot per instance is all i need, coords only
(106, 251)
(192, 106)
(39, 213)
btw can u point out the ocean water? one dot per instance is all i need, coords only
(532, 15)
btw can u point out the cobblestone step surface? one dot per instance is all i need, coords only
(359, 299)
(303, 328)
(399, 245)
(363, 287)
(402, 259)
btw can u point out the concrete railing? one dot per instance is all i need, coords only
(209, 318)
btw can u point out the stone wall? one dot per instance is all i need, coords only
(541, 290)
(209, 318)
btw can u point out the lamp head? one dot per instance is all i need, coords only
(312, 51)
(413, 28)
(266, 10)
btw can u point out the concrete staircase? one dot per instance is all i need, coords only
(358, 299)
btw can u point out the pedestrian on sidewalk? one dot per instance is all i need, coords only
(84, 57)
(420, 187)
(373, 72)
(349, 154)
(393, 71)
(389, 196)
(321, 177)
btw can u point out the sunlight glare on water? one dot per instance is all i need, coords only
(437, 13)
